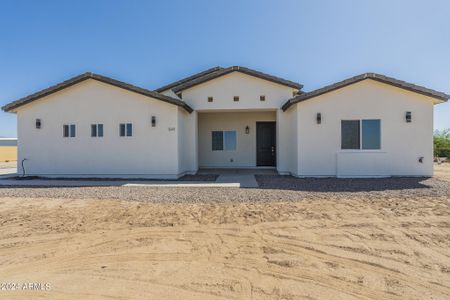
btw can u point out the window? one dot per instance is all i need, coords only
(210, 99)
(97, 130)
(217, 140)
(371, 134)
(352, 137)
(262, 98)
(229, 140)
(126, 129)
(69, 130)
(236, 98)
(350, 134)
(224, 140)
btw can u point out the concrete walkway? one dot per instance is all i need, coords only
(7, 172)
(125, 183)
(236, 181)
(243, 180)
(237, 178)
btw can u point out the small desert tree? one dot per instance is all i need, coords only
(442, 143)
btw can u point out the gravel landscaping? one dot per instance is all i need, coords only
(272, 188)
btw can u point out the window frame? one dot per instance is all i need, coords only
(69, 131)
(126, 127)
(361, 138)
(360, 149)
(359, 135)
(96, 133)
(223, 140)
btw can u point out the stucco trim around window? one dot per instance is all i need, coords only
(77, 79)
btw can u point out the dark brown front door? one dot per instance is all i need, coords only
(265, 144)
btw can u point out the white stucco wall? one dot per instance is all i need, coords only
(320, 154)
(181, 142)
(287, 141)
(151, 151)
(187, 142)
(248, 88)
(245, 154)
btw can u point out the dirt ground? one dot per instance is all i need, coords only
(380, 247)
(442, 171)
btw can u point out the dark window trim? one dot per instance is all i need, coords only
(126, 129)
(69, 130)
(65, 131)
(97, 130)
(358, 136)
(223, 140)
(360, 122)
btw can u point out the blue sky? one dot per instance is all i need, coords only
(151, 43)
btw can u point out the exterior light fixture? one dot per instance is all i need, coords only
(38, 124)
(408, 117)
(319, 118)
(247, 130)
(153, 121)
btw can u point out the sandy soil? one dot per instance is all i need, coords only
(442, 171)
(309, 249)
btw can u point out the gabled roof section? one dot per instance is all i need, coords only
(77, 79)
(212, 74)
(184, 80)
(377, 77)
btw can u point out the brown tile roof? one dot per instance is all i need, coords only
(377, 77)
(104, 79)
(218, 71)
(184, 80)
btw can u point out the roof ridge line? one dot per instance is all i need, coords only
(89, 75)
(374, 76)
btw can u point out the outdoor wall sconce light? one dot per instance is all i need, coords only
(421, 159)
(319, 118)
(408, 117)
(153, 121)
(38, 123)
(247, 130)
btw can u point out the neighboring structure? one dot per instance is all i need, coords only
(93, 126)
(8, 149)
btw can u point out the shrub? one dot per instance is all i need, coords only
(441, 141)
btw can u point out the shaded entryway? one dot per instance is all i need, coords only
(265, 144)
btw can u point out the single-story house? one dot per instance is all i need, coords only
(369, 125)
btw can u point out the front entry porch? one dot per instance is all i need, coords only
(238, 171)
(239, 140)
(243, 177)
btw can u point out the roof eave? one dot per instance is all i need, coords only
(172, 85)
(11, 107)
(222, 72)
(441, 97)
